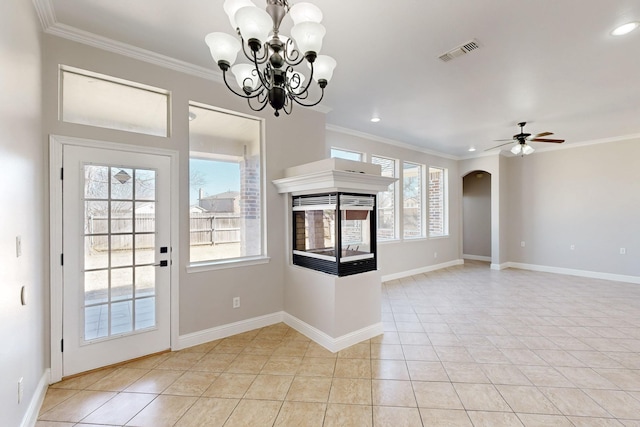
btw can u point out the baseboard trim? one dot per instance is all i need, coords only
(500, 266)
(421, 270)
(476, 257)
(31, 416)
(333, 344)
(224, 331)
(574, 272)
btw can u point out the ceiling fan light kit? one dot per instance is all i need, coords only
(270, 77)
(522, 148)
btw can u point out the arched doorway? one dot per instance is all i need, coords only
(476, 216)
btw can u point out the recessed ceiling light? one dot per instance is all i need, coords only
(472, 148)
(375, 119)
(625, 29)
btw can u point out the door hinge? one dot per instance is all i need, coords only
(61, 259)
(61, 173)
(62, 346)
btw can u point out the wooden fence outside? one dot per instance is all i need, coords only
(206, 229)
(214, 229)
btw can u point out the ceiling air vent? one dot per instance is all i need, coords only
(460, 50)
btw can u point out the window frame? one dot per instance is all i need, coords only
(421, 204)
(396, 199)
(65, 69)
(344, 150)
(242, 261)
(445, 203)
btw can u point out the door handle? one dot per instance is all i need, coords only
(162, 263)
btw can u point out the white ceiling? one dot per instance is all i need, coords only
(552, 63)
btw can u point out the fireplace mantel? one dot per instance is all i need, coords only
(333, 175)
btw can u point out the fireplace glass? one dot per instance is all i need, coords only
(335, 233)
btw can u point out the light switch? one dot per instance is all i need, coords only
(18, 246)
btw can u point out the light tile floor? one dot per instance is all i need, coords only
(464, 346)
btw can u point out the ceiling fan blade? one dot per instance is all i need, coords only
(506, 143)
(498, 140)
(547, 140)
(543, 134)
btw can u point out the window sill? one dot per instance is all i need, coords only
(388, 241)
(414, 239)
(232, 263)
(439, 237)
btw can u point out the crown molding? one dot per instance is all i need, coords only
(388, 141)
(46, 14)
(94, 40)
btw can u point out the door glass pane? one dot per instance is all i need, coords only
(121, 217)
(96, 184)
(121, 184)
(96, 322)
(96, 217)
(145, 313)
(145, 184)
(145, 245)
(121, 283)
(145, 217)
(96, 252)
(121, 250)
(121, 317)
(96, 287)
(145, 281)
(119, 233)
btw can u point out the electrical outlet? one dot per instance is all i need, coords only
(18, 246)
(623, 251)
(20, 390)
(522, 244)
(573, 247)
(236, 302)
(435, 254)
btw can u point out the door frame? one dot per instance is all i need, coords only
(56, 146)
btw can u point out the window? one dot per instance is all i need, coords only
(386, 200)
(438, 224)
(412, 200)
(103, 101)
(346, 154)
(225, 179)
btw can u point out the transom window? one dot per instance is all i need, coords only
(103, 101)
(347, 154)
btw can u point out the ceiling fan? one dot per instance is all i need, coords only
(522, 148)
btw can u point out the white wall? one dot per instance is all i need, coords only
(23, 331)
(588, 197)
(476, 213)
(205, 297)
(399, 256)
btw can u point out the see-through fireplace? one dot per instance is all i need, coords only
(335, 232)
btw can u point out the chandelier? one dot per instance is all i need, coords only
(270, 77)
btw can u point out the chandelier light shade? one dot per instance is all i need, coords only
(305, 12)
(308, 37)
(323, 68)
(253, 24)
(231, 7)
(224, 48)
(270, 77)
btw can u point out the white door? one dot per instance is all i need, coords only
(116, 256)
